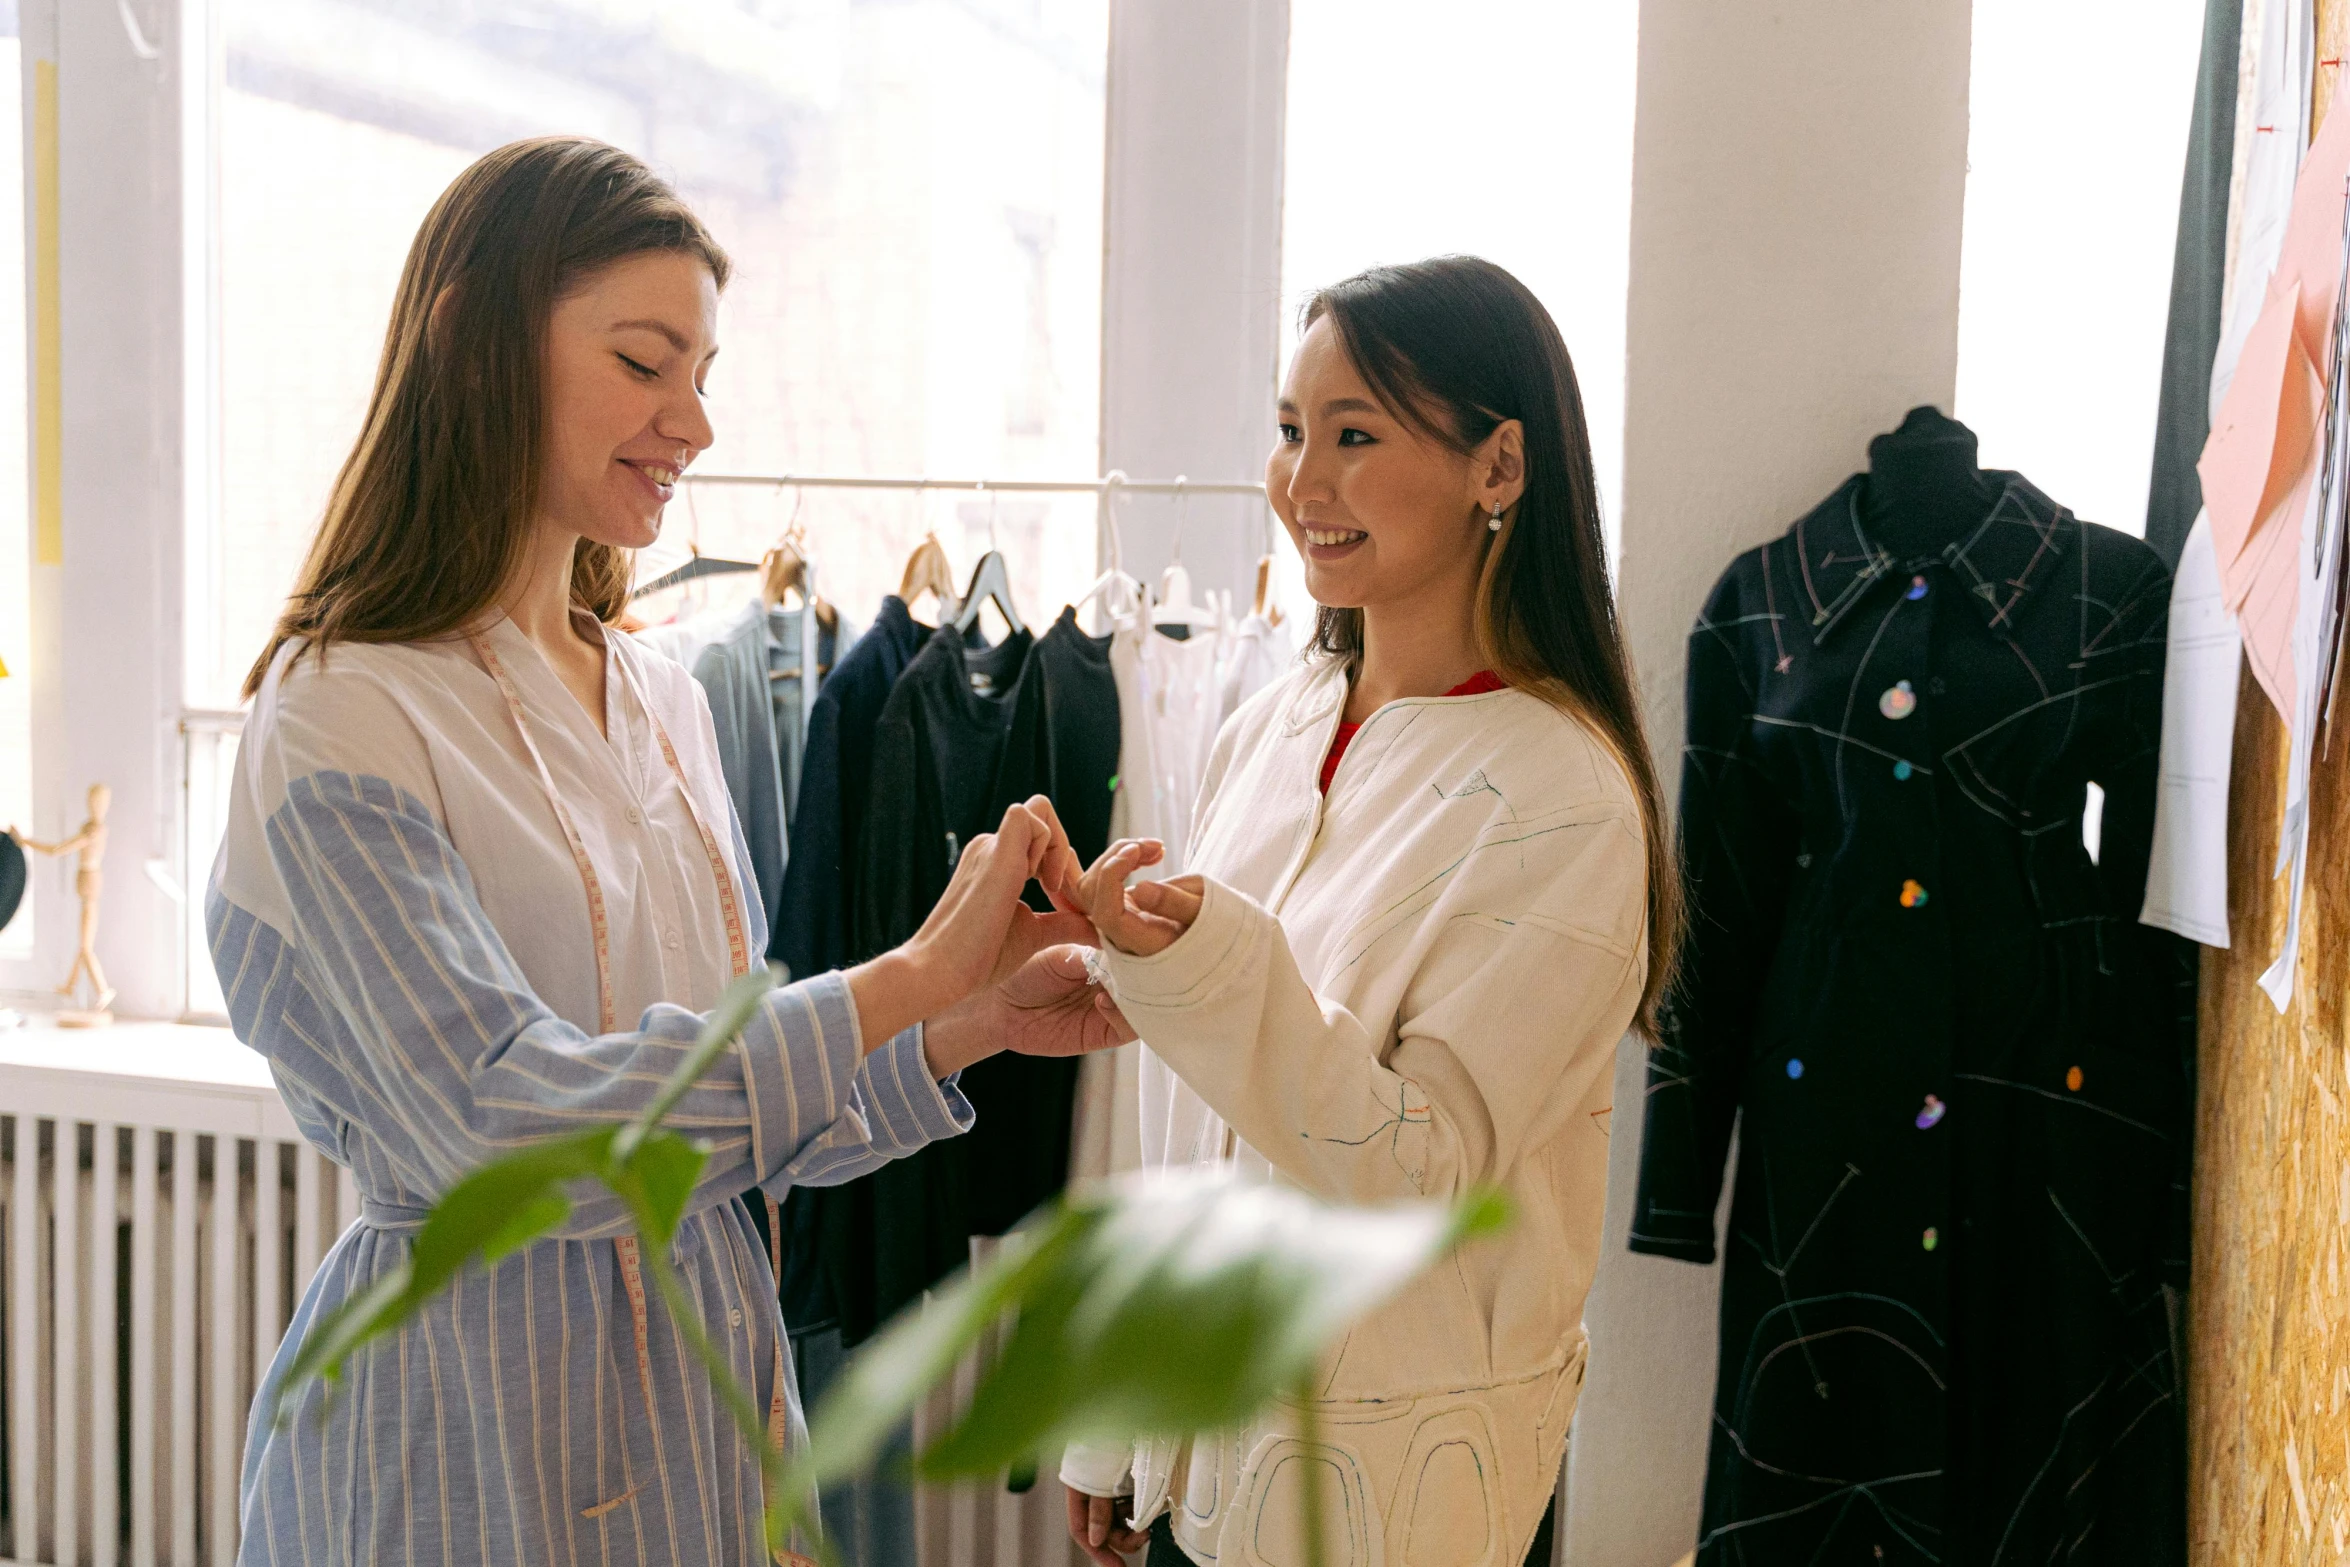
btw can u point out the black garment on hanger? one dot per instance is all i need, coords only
(963, 736)
(2198, 272)
(812, 933)
(1960, 1069)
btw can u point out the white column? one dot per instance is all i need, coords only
(1191, 272)
(1798, 177)
(106, 95)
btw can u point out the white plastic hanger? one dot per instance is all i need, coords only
(1121, 597)
(1175, 606)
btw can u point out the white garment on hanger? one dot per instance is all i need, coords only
(1169, 709)
(681, 640)
(1256, 653)
(1170, 706)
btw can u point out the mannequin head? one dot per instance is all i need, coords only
(1924, 490)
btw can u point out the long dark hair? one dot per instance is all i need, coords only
(431, 513)
(1453, 347)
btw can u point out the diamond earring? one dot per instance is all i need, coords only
(1494, 526)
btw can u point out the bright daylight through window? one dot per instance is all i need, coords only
(1438, 172)
(911, 195)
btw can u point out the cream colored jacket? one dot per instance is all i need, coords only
(1405, 990)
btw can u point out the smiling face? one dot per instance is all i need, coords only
(628, 351)
(1382, 514)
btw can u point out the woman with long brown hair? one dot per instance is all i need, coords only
(1429, 891)
(480, 877)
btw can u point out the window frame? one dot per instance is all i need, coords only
(130, 401)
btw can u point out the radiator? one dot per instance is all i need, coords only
(159, 1214)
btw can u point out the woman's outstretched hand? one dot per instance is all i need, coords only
(1142, 919)
(1052, 1007)
(979, 933)
(1049, 1006)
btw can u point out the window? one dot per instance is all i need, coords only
(2074, 158)
(1502, 128)
(911, 193)
(910, 189)
(16, 543)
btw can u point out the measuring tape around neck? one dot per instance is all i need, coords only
(600, 928)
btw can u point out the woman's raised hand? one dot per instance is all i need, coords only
(979, 932)
(1138, 920)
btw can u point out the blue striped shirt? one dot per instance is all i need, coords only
(508, 1423)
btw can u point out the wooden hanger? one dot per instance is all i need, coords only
(1263, 606)
(782, 570)
(927, 572)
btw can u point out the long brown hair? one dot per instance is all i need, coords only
(1453, 347)
(431, 513)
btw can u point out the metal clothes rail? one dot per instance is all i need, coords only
(1111, 482)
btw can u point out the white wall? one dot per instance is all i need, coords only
(1798, 173)
(107, 616)
(2072, 208)
(1191, 283)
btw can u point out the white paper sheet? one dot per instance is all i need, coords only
(2314, 623)
(2321, 542)
(2187, 879)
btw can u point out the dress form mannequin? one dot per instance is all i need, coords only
(1924, 490)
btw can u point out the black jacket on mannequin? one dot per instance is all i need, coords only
(1960, 1069)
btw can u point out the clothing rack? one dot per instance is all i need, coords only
(1108, 483)
(1106, 488)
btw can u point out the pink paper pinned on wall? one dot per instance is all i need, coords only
(2261, 441)
(2261, 461)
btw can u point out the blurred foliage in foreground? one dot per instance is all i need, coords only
(1150, 1307)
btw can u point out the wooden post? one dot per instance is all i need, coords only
(2269, 1307)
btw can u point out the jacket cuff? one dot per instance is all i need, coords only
(810, 1024)
(1669, 1232)
(908, 1108)
(1700, 1252)
(1196, 964)
(1098, 1471)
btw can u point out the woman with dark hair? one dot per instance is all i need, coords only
(1430, 889)
(476, 833)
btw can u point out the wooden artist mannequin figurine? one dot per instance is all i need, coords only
(90, 845)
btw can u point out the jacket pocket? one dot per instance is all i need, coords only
(1267, 1528)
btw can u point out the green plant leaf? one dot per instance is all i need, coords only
(658, 1180)
(1180, 1304)
(725, 1021)
(894, 1371)
(500, 1207)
